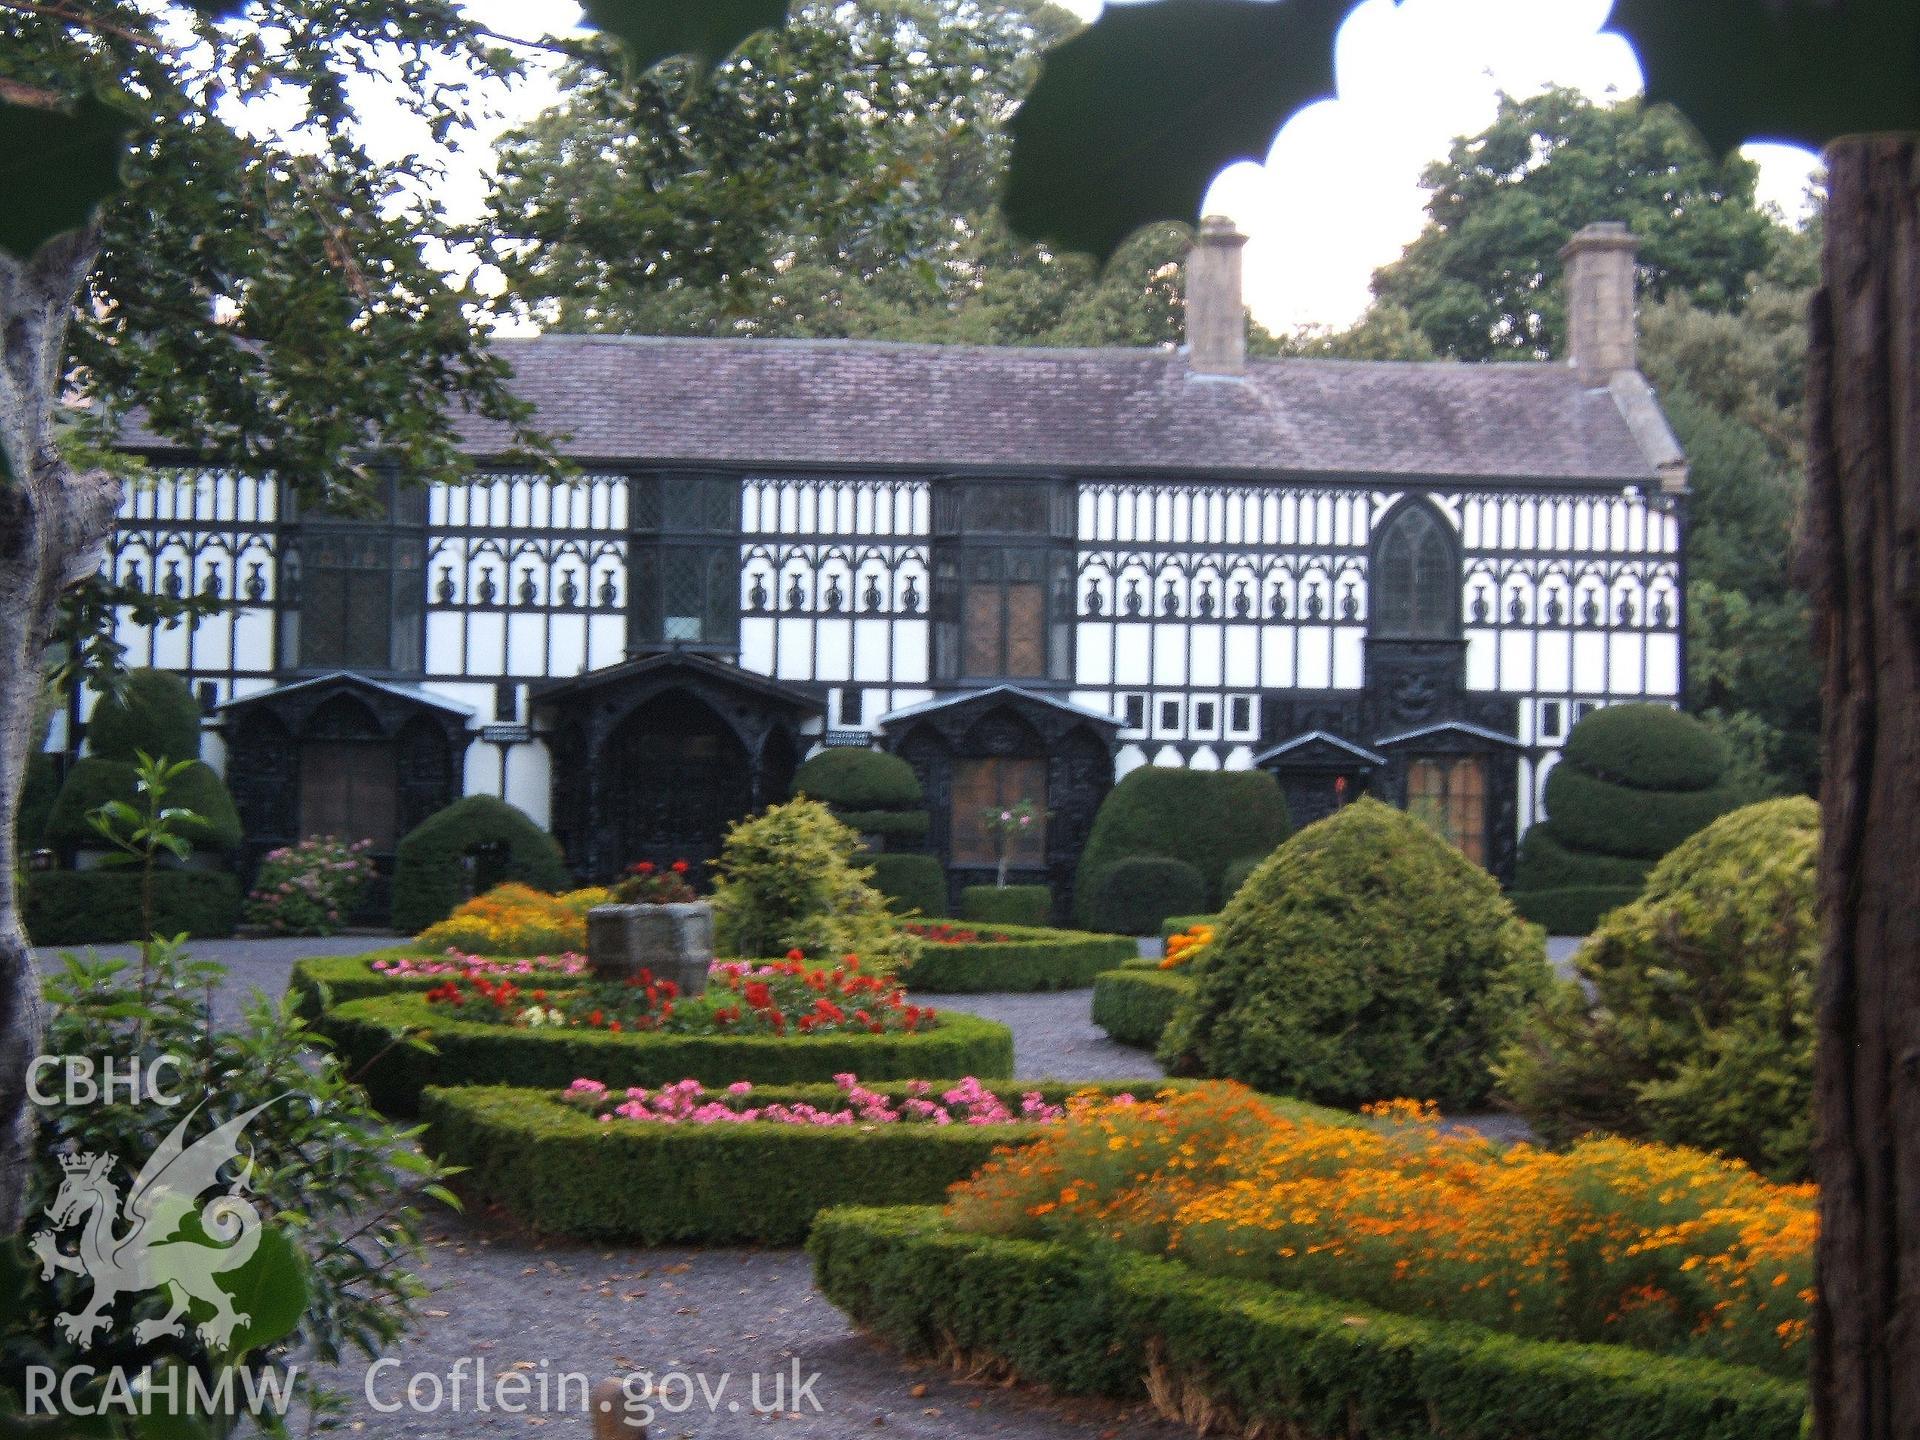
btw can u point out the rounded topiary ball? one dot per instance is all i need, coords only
(1647, 747)
(155, 711)
(1697, 1026)
(1366, 959)
(856, 778)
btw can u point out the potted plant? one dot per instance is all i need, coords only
(655, 923)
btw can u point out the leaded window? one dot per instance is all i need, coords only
(684, 561)
(1415, 575)
(354, 587)
(1004, 605)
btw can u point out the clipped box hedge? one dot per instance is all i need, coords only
(1095, 1320)
(911, 883)
(1006, 904)
(560, 1171)
(1572, 909)
(352, 977)
(1031, 958)
(102, 907)
(1134, 896)
(370, 1036)
(1134, 1005)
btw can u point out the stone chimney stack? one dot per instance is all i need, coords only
(1216, 311)
(1601, 328)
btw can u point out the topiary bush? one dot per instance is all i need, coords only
(1207, 818)
(911, 883)
(1633, 782)
(1006, 904)
(1235, 875)
(1135, 896)
(869, 791)
(1366, 959)
(103, 907)
(214, 827)
(788, 879)
(1698, 1029)
(155, 711)
(426, 866)
(1135, 1003)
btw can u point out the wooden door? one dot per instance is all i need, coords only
(350, 789)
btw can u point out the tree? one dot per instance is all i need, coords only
(1482, 280)
(836, 179)
(1833, 74)
(267, 303)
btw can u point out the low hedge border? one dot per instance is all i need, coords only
(1006, 905)
(561, 1172)
(1031, 958)
(1572, 909)
(352, 977)
(371, 1038)
(1100, 1321)
(1134, 1005)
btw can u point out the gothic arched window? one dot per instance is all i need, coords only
(1415, 577)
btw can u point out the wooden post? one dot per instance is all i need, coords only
(1862, 559)
(612, 1419)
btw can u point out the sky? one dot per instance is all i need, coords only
(1338, 195)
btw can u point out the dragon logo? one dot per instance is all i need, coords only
(151, 1253)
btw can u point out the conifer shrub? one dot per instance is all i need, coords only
(1366, 959)
(1698, 1029)
(426, 867)
(155, 711)
(1134, 896)
(1633, 782)
(213, 827)
(790, 878)
(910, 882)
(1207, 818)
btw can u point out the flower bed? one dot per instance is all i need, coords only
(407, 969)
(1652, 1247)
(960, 957)
(1134, 1004)
(1098, 1320)
(516, 919)
(372, 1035)
(560, 1169)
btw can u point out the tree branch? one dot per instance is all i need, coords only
(92, 23)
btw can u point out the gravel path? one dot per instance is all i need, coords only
(528, 1307)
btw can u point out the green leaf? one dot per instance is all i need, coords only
(56, 166)
(159, 1422)
(653, 30)
(1802, 71)
(1133, 118)
(271, 1289)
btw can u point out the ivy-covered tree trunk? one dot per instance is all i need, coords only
(1863, 556)
(52, 525)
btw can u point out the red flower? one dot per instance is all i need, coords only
(759, 996)
(645, 867)
(796, 954)
(679, 867)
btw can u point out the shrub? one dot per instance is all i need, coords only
(911, 883)
(155, 712)
(856, 778)
(1090, 1320)
(310, 888)
(1573, 909)
(557, 1169)
(788, 880)
(1366, 959)
(1647, 747)
(372, 1034)
(341, 1189)
(892, 824)
(1699, 1029)
(1006, 904)
(102, 907)
(426, 869)
(40, 787)
(1134, 1005)
(1208, 818)
(956, 959)
(1633, 782)
(1134, 896)
(213, 828)
(1236, 875)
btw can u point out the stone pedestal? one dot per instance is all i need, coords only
(675, 942)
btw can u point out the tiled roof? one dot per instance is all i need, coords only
(869, 404)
